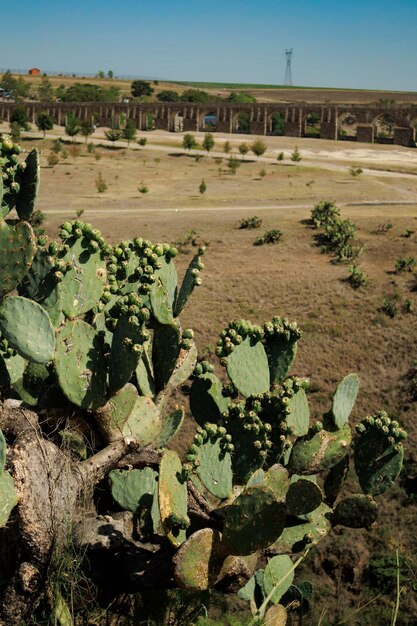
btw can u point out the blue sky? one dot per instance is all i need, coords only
(367, 44)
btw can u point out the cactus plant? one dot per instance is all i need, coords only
(93, 344)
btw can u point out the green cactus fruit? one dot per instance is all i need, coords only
(124, 357)
(144, 372)
(17, 245)
(280, 342)
(82, 286)
(112, 417)
(27, 328)
(166, 348)
(33, 383)
(189, 282)
(29, 186)
(8, 497)
(278, 577)
(378, 453)
(173, 498)
(171, 424)
(355, 511)
(335, 479)
(303, 496)
(163, 292)
(247, 367)
(3, 452)
(299, 418)
(144, 423)
(304, 531)
(207, 402)
(214, 465)
(199, 560)
(320, 450)
(344, 399)
(80, 364)
(254, 521)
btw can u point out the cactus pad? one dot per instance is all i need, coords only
(29, 185)
(191, 280)
(27, 328)
(8, 497)
(171, 424)
(80, 364)
(344, 399)
(17, 245)
(280, 340)
(113, 416)
(199, 560)
(356, 511)
(279, 568)
(319, 450)
(133, 489)
(303, 496)
(166, 348)
(144, 373)
(241, 351)
(378, 453)
(173, 498)
(254, 521)
(207, 402)
(299, 417)
(210, 453)
(304, 531)
(126, 350)
(3, 452)
(144, 422)
(163, 291)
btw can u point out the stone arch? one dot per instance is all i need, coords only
(384, 124)
(208, 121)
(241, 122)
(311, 123)
(179, 122)
(276, 123)
(347, 126)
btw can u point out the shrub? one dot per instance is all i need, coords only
(258, 147)
(296, 155)
(243, 149)
(381, 229)
(408, 306)
(202, 187)
(389, 307)
(233, 164)
(270, 236)
(189, 142)
(251, 222)
(280, 156)
(90, 148)
(324, 213)
(52, 159)
(101, 185)
(405, 264)
(143, 188)
(408, 232)
(357, 278)
(142, 141)
(57, 146)
(263, 173)
(355, 171)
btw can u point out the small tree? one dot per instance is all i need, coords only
(142, 141)
(129, 131)
(280, 156)
(44, 122)
(296, 155)
(141, 88)
(243, 149)
(208, 142)
(86, 129)
(233, 164)
(20, 116)
(227, 148)
(189, 142)
(203, 187)
(100, 183)
(110, 74)
(56, 146)
(258, 147)
(113, 134)
(52, 159)
(72, 126)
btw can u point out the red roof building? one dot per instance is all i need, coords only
(34, 71)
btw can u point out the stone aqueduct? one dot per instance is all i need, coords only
(225, 117)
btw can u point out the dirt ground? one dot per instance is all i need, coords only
(344, 330)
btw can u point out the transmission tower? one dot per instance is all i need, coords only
(288, 73)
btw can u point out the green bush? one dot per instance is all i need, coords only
(270, 236)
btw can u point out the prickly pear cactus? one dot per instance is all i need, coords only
(93, 330)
